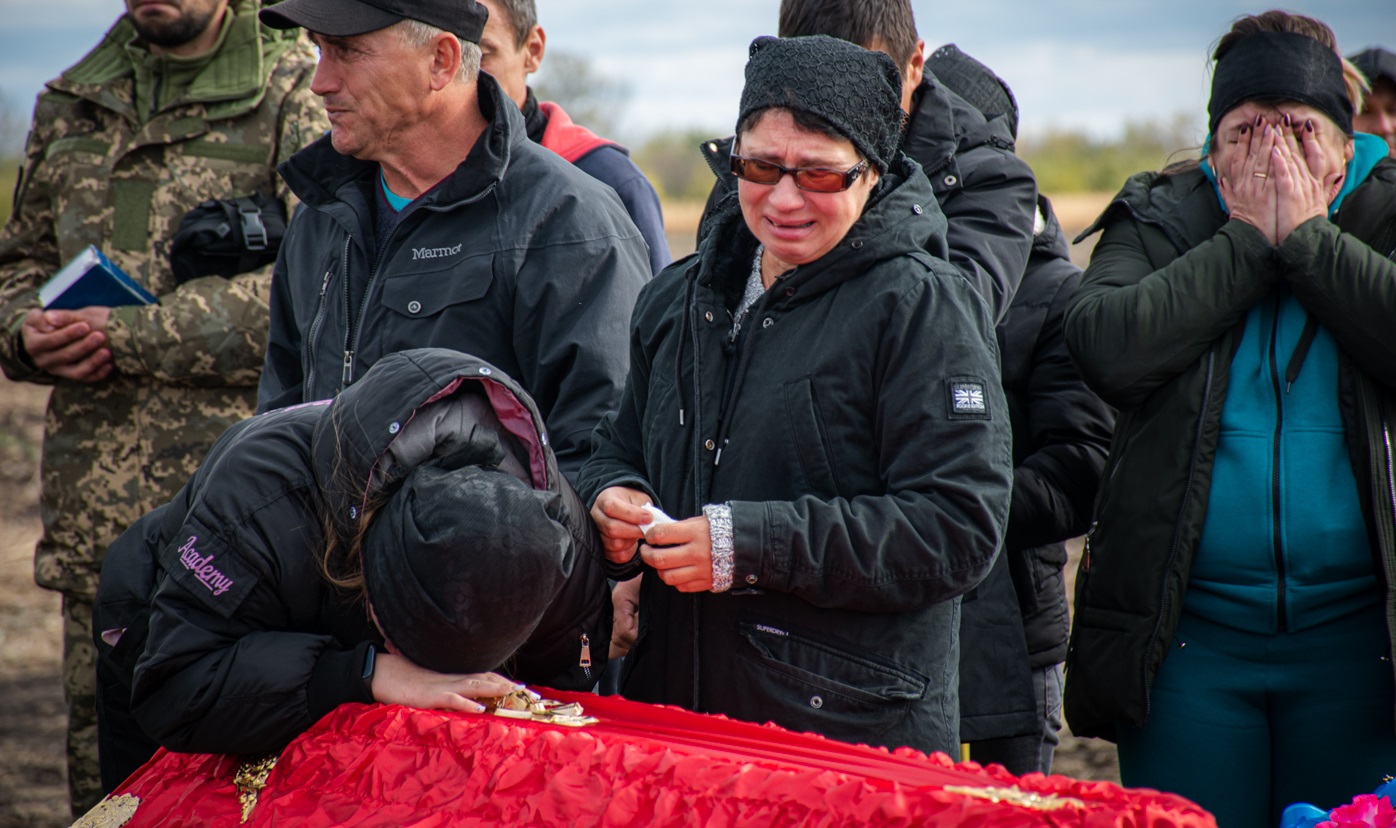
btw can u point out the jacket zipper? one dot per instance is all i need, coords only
(1385, 525)
(1095, 521)
(1178, 527)
(1276, 545)
(320, 318)
(585, 660)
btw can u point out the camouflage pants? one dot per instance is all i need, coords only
(80, 692)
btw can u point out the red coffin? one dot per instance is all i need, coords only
(641, 765)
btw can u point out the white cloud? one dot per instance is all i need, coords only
(1082, 63)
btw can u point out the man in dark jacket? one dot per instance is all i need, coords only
(987, 193)
(1014, 626)
(430, 219)
(220, 631)
(1378, 115)
(512, 47)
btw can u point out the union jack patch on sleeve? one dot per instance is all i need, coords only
(966, 399)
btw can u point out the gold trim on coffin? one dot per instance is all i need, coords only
(1015, 796)
(250, 779)
(110, 813)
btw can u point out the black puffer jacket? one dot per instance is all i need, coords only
(866, 458)
(247, 644)
(1154, 327)
(1017, 619)
(518, 257)
(987, 194)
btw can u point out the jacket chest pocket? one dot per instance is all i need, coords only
(808, 438)
(425, 294)
(214, 170)
(81, 209)
(663, 437)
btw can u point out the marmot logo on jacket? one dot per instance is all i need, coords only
(203, 568)
(434, 252)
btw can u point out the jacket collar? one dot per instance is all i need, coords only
(942, 124)
(232, 83)
(930, 131)
(569, 139)
(1179, 201)
(1050, 242)
(319, 174)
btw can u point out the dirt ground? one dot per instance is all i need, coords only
(33, 790)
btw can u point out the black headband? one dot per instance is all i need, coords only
(1280, 66)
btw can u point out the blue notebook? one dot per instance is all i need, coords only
(92, 279)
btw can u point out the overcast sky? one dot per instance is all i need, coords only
(1091, 64)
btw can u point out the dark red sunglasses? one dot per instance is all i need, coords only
(814, 179)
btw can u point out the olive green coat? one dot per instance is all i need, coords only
(97, 171)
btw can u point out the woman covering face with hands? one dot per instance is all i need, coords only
(1279, 165)
(1233, 630)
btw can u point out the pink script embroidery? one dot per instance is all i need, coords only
(203, 568)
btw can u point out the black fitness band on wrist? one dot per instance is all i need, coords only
(367, 675)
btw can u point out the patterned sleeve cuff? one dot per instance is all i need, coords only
(719, 517)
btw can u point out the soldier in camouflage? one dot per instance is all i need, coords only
(183, 101)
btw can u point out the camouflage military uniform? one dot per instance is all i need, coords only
(99, 172)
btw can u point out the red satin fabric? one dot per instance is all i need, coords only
(642, 765)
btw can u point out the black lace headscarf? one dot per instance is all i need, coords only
(857, 91)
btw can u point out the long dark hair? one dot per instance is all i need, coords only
(340, 559)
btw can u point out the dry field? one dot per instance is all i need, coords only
(32, 788)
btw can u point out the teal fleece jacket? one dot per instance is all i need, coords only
(1284, 545)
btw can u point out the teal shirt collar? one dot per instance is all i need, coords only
(1367, 150)
(395, 201)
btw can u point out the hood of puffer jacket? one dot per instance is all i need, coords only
(352, 442)
(1158, 198)
(902, 216)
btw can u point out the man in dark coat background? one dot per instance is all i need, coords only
(430, 219)
(1014, 626)
(512, 48)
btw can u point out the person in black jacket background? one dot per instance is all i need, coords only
(1014, 626)
(394, 545)
(429, 219)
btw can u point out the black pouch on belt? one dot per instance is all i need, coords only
(227, 237)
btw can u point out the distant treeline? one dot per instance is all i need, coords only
(1065, 160)
(1072, 161)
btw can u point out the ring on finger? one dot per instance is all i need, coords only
(1260, 175)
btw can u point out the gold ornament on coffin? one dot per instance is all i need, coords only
(250, 779)
(1015, 796)
(526, 704)
(112, 812)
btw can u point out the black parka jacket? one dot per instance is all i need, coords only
(987, 194)
(864, 453)
(1017, 620)
(1154, 327)
(244, 645)
(518, 257)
